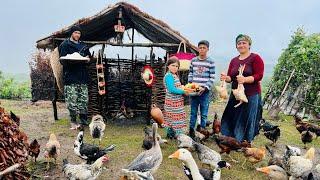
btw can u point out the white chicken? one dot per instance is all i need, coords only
(296, 166)
(84, 171)
(52, 149)
(97, 127)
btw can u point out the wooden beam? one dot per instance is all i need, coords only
(128, 44)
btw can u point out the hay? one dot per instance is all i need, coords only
(57, 68)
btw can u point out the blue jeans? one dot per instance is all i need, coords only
(203, 102)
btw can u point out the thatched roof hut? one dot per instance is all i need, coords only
(100, 27)
(124, 86)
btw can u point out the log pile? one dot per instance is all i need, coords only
(13, 148)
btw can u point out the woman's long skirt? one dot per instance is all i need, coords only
(242, 122)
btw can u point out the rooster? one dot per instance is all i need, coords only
(267, 126)
(97, 127)
(52, 149)
(273, 135)
(89, 152)
(216, 125)
(84, 171)
(15, 118)
(34, 149)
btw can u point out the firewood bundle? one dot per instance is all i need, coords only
(239, 92)
(13, 149)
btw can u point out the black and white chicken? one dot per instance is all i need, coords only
(89, 152)
(84, 171)
(97, 127)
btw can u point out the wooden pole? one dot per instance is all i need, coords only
(54, 100)
(285, 87)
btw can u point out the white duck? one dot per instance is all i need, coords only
(147, 162)
(191, 169)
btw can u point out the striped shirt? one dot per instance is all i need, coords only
(202, 72)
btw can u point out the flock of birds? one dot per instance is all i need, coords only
(291, 164)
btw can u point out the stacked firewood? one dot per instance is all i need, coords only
(13, 148)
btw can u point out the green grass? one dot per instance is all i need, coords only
(128, 140)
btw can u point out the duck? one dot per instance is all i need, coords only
(148, 140)
(206, 173)
(274, 172)
(206, 155)
(191, 169)
(147, 162)
(186, 156)
(89, 152)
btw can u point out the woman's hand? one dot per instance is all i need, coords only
(225, 77)
(241, 79)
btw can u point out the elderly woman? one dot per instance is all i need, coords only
(242, 122)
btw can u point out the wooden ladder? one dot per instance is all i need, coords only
(100, 74)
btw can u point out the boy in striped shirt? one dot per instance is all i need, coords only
(202, 71)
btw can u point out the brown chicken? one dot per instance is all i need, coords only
(216, 125)
(304, 126)
(253, 155)
(228, 144)
(204, 132)
(315, 129)
(306, 137)
(52, 149)
(34, 149)
(15, 118)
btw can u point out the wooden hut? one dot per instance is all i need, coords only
(125, 90)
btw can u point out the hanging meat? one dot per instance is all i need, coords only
(239, 92)
(222, 90)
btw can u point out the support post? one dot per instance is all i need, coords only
(54, 101)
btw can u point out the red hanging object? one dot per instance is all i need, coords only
(148, 76)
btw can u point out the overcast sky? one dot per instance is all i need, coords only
(270, 23)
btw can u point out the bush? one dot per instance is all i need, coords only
(10, 89)
(303, 55)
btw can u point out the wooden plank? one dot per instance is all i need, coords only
(128, 44)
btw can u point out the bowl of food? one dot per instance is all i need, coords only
(192, 88)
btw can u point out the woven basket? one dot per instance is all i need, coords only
(57, 68)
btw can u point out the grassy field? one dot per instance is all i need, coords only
(128, 140)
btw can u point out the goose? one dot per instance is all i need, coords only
(147, 162)
(191, 169)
